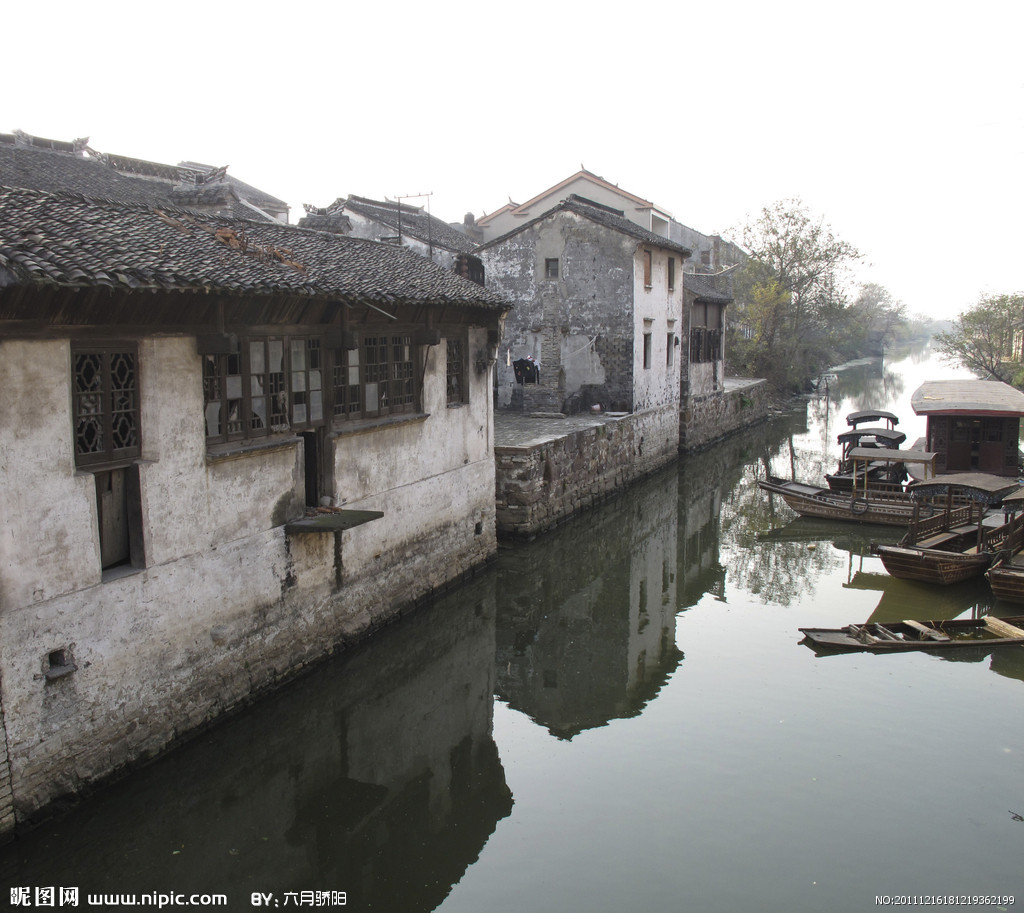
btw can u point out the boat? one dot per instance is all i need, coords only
(960, 542)
(889, 474)
(901, 636)
(866, 504)
(1006, 575)
(885, 508)
(874, 470)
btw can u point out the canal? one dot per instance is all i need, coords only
(616, 716)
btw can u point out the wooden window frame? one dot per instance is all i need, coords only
(105, 404)
(456, 373)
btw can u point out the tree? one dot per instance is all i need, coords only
(790, 295)
(874, 319)
(986, 338)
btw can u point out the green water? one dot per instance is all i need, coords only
(618, 716)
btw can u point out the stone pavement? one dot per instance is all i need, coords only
(516, 429)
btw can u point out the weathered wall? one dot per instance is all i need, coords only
(706, 419)
(585, 328)
(228, 603)
(579, 327)
(539, 486)
(371, 230)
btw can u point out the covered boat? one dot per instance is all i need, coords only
(959, 542)
(901, 636)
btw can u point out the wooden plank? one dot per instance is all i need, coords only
(924, 630)
(1001, 628)
(885, 633)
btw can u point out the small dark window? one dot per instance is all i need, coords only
(647, 269)
(671, 274)
(647, 350)
(551, 268)
(456, 373)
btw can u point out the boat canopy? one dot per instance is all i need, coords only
(855, 418)
(977, 486)
(967, 397)
(884, 436)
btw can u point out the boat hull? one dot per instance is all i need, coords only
(932, 565)
(903, 636)
(814, 501)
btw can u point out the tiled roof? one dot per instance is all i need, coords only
(57, 167)
(602, 215)
(415, 222)
(712, 288)
(66, 240)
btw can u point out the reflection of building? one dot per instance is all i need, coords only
(376, 775)
(587, 637)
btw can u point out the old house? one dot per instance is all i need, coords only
(37, 163)
(585, 184)
(393, 222)
(599, 312)
(228, 448)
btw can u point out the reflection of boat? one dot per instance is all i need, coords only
(885, 508)
(900, 636)
(961, 542)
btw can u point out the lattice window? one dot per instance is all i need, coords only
(348, 400)
(106, 405)
(456, 373)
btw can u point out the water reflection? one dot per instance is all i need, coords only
(587, 631)
(669, 779)
(376, 775)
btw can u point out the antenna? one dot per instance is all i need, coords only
(414, 196)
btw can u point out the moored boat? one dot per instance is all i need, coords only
(959, 542)
(885, 508)
(901, 636)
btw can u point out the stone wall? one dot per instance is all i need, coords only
(540, 485)
(706, 419)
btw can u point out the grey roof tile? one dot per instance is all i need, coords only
(71, 240)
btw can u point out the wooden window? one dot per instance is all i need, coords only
(647, 269)
(551, 268)
(106, 404)
(348, 399)
(273, 384)
(458, 391)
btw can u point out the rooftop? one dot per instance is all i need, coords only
(71, 241)
(967, 397)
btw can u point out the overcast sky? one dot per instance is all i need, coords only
(901, 123)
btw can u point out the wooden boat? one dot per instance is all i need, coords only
(864, 505)
(1006, 575)
(874, 470)
(901, 636)
(960, 542)
(888, 509)
(1006, 578)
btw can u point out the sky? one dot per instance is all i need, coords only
(899, 123)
